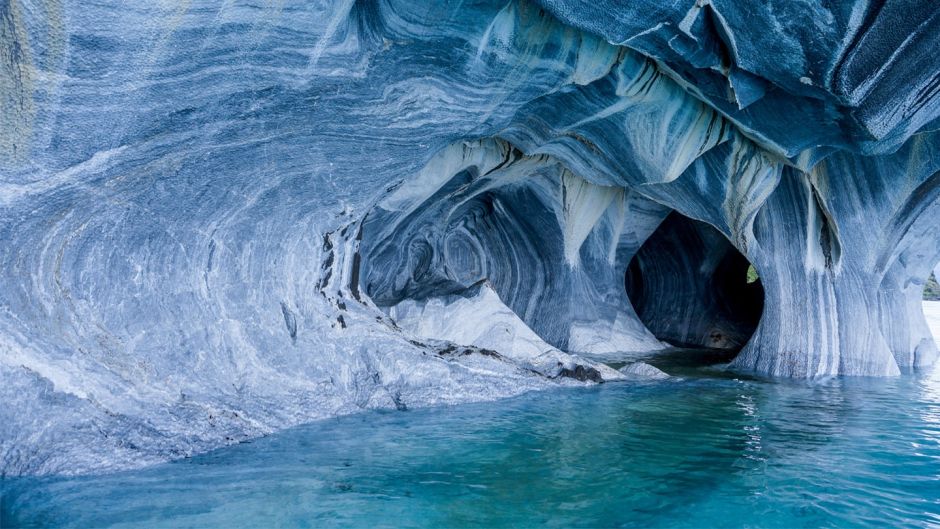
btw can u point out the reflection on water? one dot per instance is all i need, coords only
(699, 451)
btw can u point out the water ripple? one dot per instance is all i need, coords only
(699, 452)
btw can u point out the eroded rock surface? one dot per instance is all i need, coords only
(214, 213)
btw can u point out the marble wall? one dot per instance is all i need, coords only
(212, 213)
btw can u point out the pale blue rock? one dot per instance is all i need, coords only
(213, 213)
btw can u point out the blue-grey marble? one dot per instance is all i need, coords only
(211, 212)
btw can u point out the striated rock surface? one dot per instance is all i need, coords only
(223, 219)
(798, 76)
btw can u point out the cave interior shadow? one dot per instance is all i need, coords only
(695, 291)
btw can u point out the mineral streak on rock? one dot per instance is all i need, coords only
(222, 219)
(551, 245)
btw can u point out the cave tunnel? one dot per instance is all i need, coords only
(506, 221)
(692, 288)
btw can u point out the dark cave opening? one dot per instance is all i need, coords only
(693, 289)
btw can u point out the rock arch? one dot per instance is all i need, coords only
(553, 246)
(690, 287)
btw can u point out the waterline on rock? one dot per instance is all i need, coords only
(689, 451)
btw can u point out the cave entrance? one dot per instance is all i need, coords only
(931, 304)
(693, 289)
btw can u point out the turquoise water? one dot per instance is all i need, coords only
(704, 451)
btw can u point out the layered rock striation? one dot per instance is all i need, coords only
(224, 219)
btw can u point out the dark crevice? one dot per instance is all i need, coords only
(828, 237)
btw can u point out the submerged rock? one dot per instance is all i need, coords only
(643, 370)
(221, 220)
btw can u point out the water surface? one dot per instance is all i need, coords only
(699, 451)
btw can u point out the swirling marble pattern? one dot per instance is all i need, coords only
(213, 213)
(553, 246)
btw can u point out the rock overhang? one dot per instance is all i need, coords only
(183, 208)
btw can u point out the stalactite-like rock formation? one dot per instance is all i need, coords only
(220, 220)
(553, 246)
